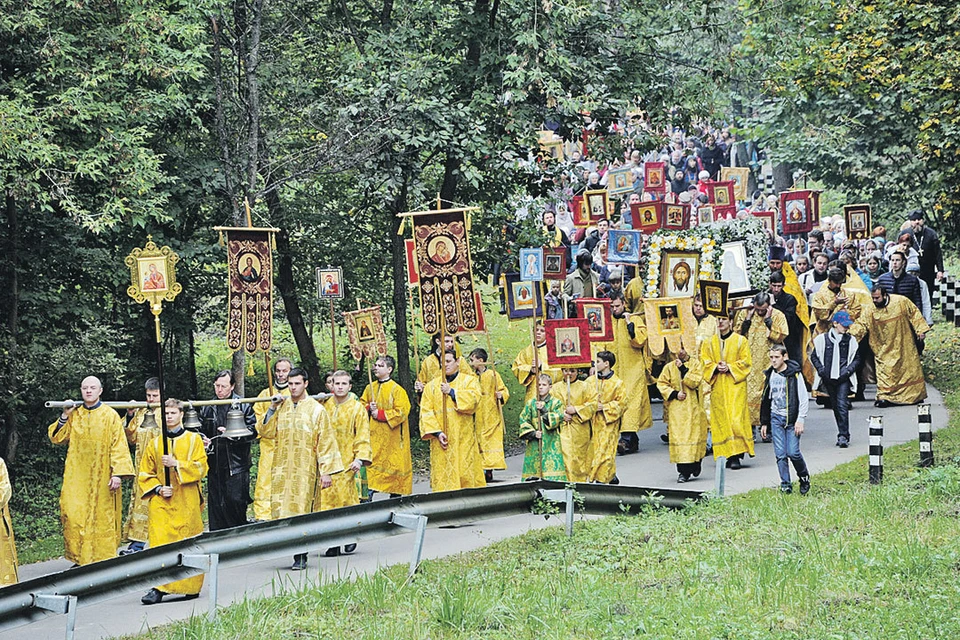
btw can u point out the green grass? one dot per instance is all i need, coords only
(850, 560)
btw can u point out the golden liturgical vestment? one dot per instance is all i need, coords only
(611, 394)
(489, 419)
(458, 466)
(136, 525)
(686, 420)
(575, 433)
(760, 338)
(304, 448)
(523, 367)
(729, 415)
(179, 516)
(89, 511)
(392, 468)
(891, 331)
(351, 428)
(631, 368)
(8, 548)
(262, 493)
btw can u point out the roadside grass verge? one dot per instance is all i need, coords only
(850, 560)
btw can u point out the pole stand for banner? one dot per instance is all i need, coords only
(720, 475)
(59, 604)
(209, 564)
(565, 496)
(419, 525)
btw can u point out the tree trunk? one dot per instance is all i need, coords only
(398, 259)
(782, 176)
(291, 304)
(11, 435)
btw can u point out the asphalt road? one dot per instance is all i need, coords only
(650, 467)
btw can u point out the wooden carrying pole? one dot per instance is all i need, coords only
(333, 334)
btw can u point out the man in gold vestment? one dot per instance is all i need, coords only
(351, 427)
(526, 370)
(835, 296)
(262, 494)
(762, 326)
(305, 452)
(679, 384)
(629, 345)
(580, 403)
(135, 529)
(446, 420)
(489, 416)
(895, 327)
(726, 365)
(8, 548)
(97, 460)
(176, 508)
(430, 367)
(389, 407)
(611, 398)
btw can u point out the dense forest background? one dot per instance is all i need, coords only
(122, 118)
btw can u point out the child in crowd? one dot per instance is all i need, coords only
(540, 423)
(783, 410)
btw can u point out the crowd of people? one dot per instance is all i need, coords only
(838, 314)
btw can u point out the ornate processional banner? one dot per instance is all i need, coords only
(365, 330)
(250, 289)
(445, 272)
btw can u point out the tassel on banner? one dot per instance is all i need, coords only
(250, 370)
(222, 244)
(403, 226)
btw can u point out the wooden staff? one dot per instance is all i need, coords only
(503, 422)
(442, 345)
(333, 334)
(367, 357)
(536, 377)
(266, 360)
(413, 329)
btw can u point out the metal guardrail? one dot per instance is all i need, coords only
(62, 592)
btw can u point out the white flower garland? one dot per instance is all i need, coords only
(705, 240)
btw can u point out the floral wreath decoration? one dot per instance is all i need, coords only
(707, 241)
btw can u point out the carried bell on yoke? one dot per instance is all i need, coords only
(149, 421)
(191, 421)
(236, 426)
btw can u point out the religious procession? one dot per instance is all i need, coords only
(738, 313)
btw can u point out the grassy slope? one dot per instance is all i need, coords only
(848, 561)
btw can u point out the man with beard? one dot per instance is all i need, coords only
(787, 305)
(895, 329)
(726, 365)
(927, 244)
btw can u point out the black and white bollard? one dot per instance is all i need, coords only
(876, 449)
(925, 426)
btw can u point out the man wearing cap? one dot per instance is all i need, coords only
(896, 331)
(927, 244)
(834, 357)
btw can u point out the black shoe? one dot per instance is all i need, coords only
(682, 478)
(350, 548)
(734, 463)
(843, 442)
(133, 548)
(152, 597)
(615, 480)
(882, 404)
(488, 475)
(664, 438)
(191, 596)
(332, 552)
(299, 562)
(804, 485)
(787, 489)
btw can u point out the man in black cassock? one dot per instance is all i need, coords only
(786, 303)
(228, 482)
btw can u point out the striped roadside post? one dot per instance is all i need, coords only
(876, 449)
(925, 426)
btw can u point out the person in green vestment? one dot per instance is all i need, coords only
(540, 423)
